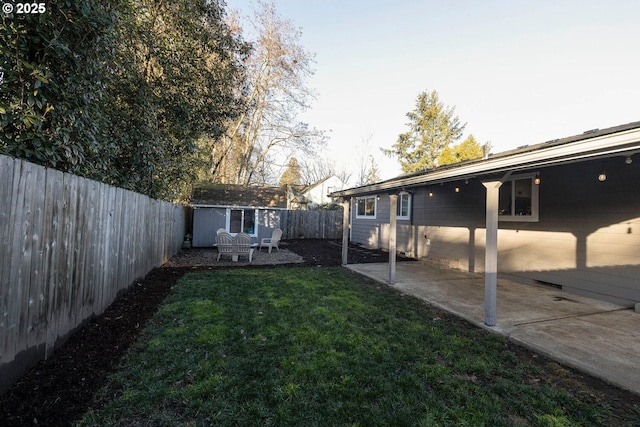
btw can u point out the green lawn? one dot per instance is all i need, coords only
(323, 347)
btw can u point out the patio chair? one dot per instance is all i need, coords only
(224, 242)
(273, 241)
(242, 244)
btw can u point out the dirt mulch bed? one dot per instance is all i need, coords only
(60, 389)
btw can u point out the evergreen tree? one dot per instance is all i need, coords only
(432, 127)
(119, 91)
(292, 175)
(468, 149)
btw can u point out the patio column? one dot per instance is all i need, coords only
(491, 252)
(345, 230)
(393, 206)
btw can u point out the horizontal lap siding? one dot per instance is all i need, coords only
(587, 239)
(70, 246)
(206, 222)
(368, 231)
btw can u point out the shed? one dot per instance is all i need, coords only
(254, 210)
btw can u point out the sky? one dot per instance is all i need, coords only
(517, 72)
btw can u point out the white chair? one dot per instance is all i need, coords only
(242, 243)
(224, 243)
(273, 241)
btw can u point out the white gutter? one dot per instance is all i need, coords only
(199, 206)
(598, 147)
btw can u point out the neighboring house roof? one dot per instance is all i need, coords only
(299, 198)
(314, 185)
(318, 191)
(209, 194)
(593, 144)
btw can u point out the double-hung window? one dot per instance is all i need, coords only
(366, 207)
(403, 210)
(242, 221)
(519, 199)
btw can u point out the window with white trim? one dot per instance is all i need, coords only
(366, 207)
(403, 210)
(519, 199)
(242, 221)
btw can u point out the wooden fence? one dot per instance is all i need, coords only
(69, 246)
(311, 224)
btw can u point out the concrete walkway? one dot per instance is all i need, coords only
(597, 337)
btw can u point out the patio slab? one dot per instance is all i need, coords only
(597, 337)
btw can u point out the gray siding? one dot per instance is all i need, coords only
(207, 221)
(268, 220)
(587, 239)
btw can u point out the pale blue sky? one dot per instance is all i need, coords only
(517, 72)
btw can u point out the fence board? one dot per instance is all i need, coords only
(6, 197)
(55, 206)
(35, 324)
(70, 246)
(311, 224)
(19, 308)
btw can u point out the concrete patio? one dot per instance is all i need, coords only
(597, 337)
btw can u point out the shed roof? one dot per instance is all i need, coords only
(592, 144)
(212, 194)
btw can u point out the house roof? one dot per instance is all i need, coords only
(314, 185)
(211, 194)
(620, 140)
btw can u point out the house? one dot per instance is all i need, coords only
(314, 195)
(564, 213)
(236, 208)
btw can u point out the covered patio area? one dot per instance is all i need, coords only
(597, 337)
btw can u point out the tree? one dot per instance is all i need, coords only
(316, 169)
(373, 174)
(432, 127)
(51, 98)
(276, 91)
(468, 149)
(179, 76)
(291, 175)
(119, 91)
(368, 172)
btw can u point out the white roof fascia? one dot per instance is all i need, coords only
(200, 206)
(598, 147)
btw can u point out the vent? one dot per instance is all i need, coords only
(548, 284)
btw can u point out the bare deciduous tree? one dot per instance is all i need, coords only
(276, 92)
(314, 170)
(368, 172)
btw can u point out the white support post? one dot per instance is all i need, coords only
(491, 253)
(393, 206)
(345, 231)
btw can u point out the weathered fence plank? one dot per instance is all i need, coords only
(311, 224)
(55, 207)
(6, 196)
(69, 247)
(36, 325)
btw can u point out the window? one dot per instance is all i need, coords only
(404, 206)
(519, 199)
(241, 221)
(366, 207)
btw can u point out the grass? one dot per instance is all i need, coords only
(322, 347)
